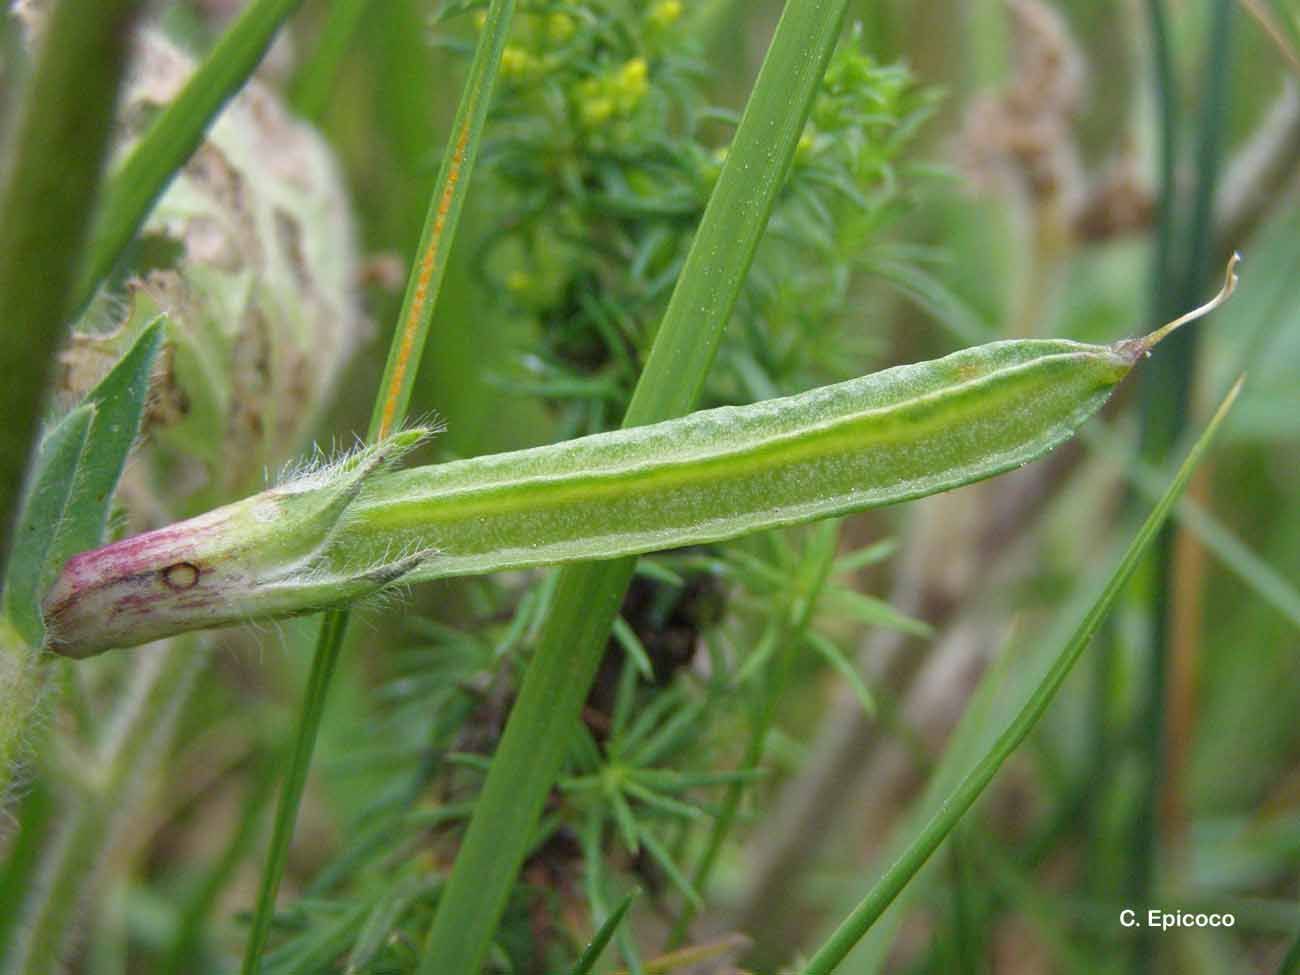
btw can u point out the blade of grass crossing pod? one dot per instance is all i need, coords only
(51, 172)
(332, 631)
(407, 346)
(841, 942)
(601, 941)
(425, 279)
(587, 596)
(175, 134)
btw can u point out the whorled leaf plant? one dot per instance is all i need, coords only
(345, 531)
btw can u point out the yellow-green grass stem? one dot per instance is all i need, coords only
(423, 287)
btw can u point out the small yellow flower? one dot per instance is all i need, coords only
(596, 111)
(517, 62)
(633, 74)
(630, 84)
(665, 13)
(807, 146)
(560, 27)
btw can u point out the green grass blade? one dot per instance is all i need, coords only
(440, 224)
(407, 345)
(51, 168)
(119, 400)
(1281, 25)
(1291, 961)
(841, 942)
(834, 656)
(588, 596)
(315, 80)
(175, 134)
(330, 642)
(54, 477)
(1166, 397)
(600, 942)
(1268, 583)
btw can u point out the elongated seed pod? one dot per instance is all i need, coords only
(902, 433)
(891, 436)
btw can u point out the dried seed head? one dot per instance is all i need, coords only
(1022, 136)
(251, 254)
(1119, 201)
(31, 14)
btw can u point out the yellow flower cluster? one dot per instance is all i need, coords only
(665, 13)
(613, 95)
(519, 63)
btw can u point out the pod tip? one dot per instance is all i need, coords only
(1148, 342)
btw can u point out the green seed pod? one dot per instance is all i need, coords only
(891, 436)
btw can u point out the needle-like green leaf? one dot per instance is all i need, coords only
(600, 942)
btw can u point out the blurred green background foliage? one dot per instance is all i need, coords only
(970, 171)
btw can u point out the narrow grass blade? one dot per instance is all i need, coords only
(422, 291)
(1235, 555)
(1281, 25)
(332, 632)
(1166, 396)
(51, 168)
(587, 596)
(440, 224)
(600, 942)
(1291, 961)
(175, 134)
(47, 503)
(834, 656)
(315, 80)
(841, 942)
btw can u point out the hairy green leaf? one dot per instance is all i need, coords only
(119, 400)
(53, 481)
